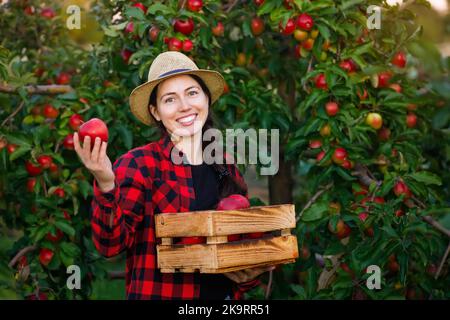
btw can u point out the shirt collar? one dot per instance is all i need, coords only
(167, 145)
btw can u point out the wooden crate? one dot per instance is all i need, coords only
(218, 255)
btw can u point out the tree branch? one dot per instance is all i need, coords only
(113, 275)
(441, 265)
(313, 199)
(363, 174)
(37, 89)
(12, 115)
(269, 285)
(21, 253)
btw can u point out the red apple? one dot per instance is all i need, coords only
(48, 13)
(315, 144)
(54, 238)
(384, 134)
(234, 237)
(374, 120)
(254, 235)
(67, 215)
(218, 30)
(192, 240)
(50, 112)
(411, 120)
(308, 44)
(45, 256)
(33, 169)
(39, 296)
(384, 78)
(11, 148)
(339, 155)
(31, 183)
(305, 22)
(29, 10)
(184, 26)
(257, 26)
(347, 164)
(175, 44)
(298, 51)
(396, 87)
(140, 6)
(68, 142)
(288, 28)
(195, 5)
(75, 121)
(233, 202)
(288, 4)
(321, 82)
(153, 33)
(45, 161)
(126, 54)
(362, 95)
(130, 27)
(347, 65)
(187, 45)
(400, 188)
(93, 128)
(258, 2)
(63, 78)
(59, 192)
(331, 108)
(363, 216)
(399, 59)
(320, 155)
(399, 213)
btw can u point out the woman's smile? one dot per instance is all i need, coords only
(187, 120)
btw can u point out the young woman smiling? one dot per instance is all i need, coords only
(145, 181)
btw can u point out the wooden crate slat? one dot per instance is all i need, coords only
(219, 223)
(215, 258)
(187, 256)
(259, 251)
(237, 268)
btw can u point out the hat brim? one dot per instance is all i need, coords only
(140, 96)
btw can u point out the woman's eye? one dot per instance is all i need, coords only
(168, 100)
(192, 93)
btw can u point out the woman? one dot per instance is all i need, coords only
(146, 181)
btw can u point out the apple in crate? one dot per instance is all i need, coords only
(235, 202)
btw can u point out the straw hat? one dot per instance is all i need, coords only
(166, 65)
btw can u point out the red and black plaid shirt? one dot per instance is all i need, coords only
(147, 182)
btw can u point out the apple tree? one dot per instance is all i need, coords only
(359, 97)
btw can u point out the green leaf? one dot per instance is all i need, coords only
(126, 136)
(135, 13)
(426, 177)
(315, 212)
(154, 8)
(65, 227)
(85, 188)
(19, 152)
(70, 249)
(324, 31)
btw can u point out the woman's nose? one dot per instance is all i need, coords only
(184, 105)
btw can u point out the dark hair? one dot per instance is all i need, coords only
(229, 184)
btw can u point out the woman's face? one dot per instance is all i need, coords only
(181, 105)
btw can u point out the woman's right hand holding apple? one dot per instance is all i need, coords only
(96, 161)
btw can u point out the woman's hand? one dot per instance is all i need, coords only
(247, 274)
(96, 161)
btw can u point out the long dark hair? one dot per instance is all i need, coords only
(228, 183)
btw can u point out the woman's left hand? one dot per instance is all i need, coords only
(247, 274)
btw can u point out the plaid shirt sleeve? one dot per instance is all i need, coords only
(117, 213)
